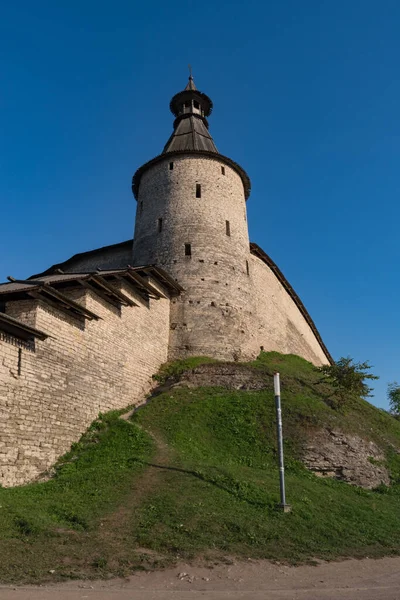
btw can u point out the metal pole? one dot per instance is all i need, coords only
(277, 391)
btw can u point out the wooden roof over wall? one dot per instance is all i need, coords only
(18, 329)
(53, 289)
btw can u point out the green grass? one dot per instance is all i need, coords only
(41, 524)
(88, 481)
(194, 474)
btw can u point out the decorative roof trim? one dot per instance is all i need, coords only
(203, 153)
(259, 252)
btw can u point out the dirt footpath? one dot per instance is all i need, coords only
(252, 580)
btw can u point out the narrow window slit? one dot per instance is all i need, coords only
(247, 267)
(227, 228)
(159, 225)
(171, 166)
(223, 170)
(198, 190)
(188, 250)
(19, 361)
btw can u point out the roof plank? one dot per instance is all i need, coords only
(142, 283)
(109, 289)
(106, 297)
(18, 329)
(61, 302)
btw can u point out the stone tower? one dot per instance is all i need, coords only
(191, 220)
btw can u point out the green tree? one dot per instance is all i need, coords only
(349, 379)
(393, 394)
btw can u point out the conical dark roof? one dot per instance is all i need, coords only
(191, 133)
(191, 108)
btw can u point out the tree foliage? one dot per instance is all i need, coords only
(393, 394)
(349, 378)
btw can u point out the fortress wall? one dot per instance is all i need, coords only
(278, 323)
(213, 314)
(50, 396)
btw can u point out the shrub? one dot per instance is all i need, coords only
(349, 379)
(393, 394)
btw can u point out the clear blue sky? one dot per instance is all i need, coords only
(306, 98)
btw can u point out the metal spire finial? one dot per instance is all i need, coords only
(190, 85)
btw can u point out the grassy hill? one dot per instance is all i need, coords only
(193, 474)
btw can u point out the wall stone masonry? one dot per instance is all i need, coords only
(277, 322)
(81, 369)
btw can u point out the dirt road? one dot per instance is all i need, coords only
(252, 580)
